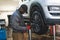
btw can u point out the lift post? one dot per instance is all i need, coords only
(30, 35)
(29, 32)
(54, 32)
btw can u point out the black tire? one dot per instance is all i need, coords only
(37, 22)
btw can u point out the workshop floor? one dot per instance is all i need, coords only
(35, 36)
(40, 37)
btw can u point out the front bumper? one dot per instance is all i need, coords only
(52, 16)
(52, 21)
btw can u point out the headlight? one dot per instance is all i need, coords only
(54, 8)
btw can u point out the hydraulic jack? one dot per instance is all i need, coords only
(29, 32)
(53, 31)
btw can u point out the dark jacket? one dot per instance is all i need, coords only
(17, 22)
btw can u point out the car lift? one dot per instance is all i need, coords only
(30, 35)
(54, 32)
(30, 32)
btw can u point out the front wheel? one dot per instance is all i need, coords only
(37, 22)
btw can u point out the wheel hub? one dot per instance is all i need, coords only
(36, 21)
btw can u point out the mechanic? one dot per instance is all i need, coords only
(17, 23)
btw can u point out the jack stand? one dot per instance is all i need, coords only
(54, 32)
(30, 35)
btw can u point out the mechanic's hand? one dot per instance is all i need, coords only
(28, 27)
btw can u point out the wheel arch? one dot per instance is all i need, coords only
(38, 5)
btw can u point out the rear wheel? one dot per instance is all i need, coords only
(38, 25)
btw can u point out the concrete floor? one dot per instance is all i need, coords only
(35, 36)
(39, 37)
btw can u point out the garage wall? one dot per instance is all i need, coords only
(7, 7)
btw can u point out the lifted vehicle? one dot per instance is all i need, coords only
(42, 13)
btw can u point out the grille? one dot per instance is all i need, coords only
(55, 14)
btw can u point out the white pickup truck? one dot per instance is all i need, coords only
(42, 13)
